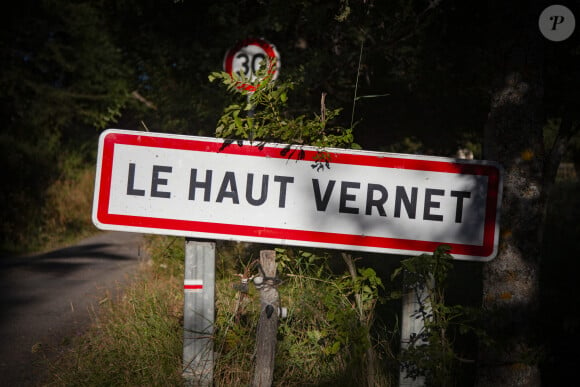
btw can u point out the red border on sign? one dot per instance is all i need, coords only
(112, 138)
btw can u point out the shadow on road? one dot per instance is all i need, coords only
(48, 297)
(58, 261)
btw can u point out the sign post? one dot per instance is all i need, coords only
(198, 313)
(270, 313)
(415, 306)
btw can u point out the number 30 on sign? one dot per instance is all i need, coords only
(247, 56)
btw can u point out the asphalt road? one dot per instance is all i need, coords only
(48, 298)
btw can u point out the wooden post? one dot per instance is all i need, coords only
(268, 323)
(198, 313)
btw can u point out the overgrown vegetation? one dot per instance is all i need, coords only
(69, 200)
(64, 214)
(331, 336)
(322, 341)
(431, 353)
(137, 340)
(263, 114)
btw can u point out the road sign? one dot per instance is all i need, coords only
(270, 193)
(246, 57)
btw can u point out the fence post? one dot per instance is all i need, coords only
(198, 313)
(266, 282)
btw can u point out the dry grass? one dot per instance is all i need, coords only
(135, 340)
(138, 340)
(68, 208)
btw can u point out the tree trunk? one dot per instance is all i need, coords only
(513, 137)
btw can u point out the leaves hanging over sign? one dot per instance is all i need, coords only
(259, 115)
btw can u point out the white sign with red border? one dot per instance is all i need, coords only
(272, 193)
(246, 57)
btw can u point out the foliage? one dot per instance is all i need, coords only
(63, 72)
(328, 332)
(348, 302)
(262, 116)
(67, 214)
(62, 79)
(322, 341)
(431, 351)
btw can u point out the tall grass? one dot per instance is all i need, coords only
(137, 340)
(67, 213)
(321, 341)
(60, 216)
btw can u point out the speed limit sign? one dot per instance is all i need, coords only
(247, 56)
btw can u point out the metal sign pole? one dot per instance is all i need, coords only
(198, 313)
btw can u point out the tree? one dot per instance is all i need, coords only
(62, 79)
(514, 137)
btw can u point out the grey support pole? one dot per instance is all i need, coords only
(411, 325)
(416, 306)
(198, 313)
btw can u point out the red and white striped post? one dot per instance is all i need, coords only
(198, 313)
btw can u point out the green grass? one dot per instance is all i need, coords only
(137, 339)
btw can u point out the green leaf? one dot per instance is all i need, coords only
(238, 121)
(396, 273)
(333, 350)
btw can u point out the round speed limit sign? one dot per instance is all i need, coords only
(247, 56)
